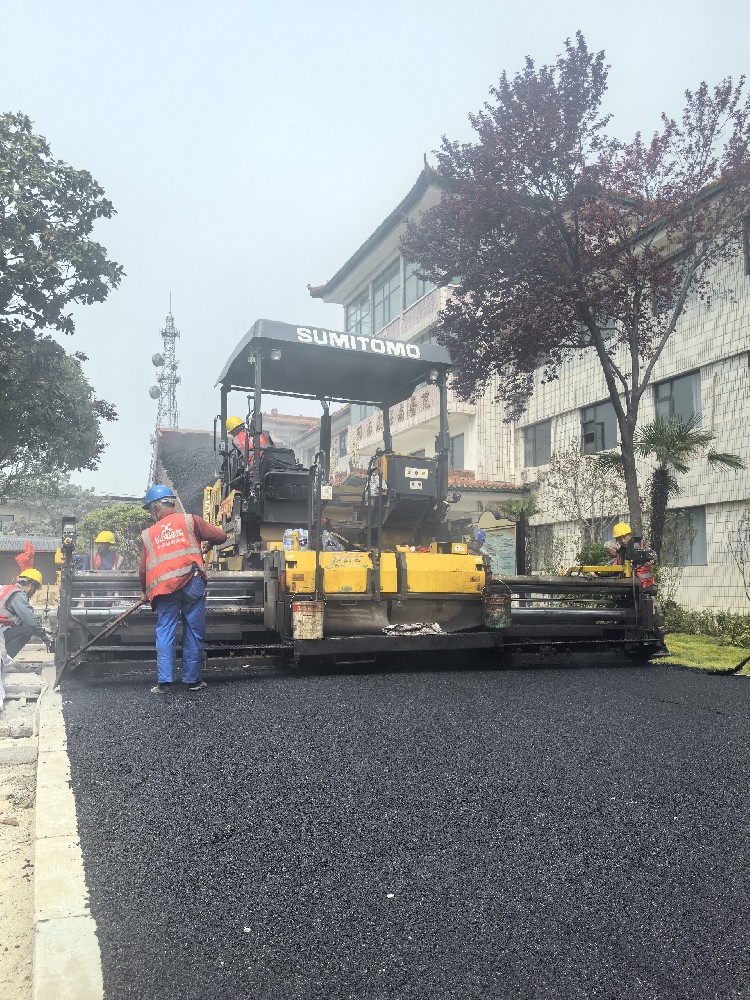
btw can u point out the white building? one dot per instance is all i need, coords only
(705, 369)
(382, 296)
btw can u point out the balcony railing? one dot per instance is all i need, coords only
(421, 409)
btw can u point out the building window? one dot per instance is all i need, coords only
(746, 241)
(361, 411)
(684, 541)
(414, 286)
(679, 398)
(358, 315)
(342, 443)
(598, 428)
(428, 337)
(457, 452)
(537, 443)
(386, 293)
(6, 521)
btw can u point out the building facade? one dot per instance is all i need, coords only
(382, 295)
(705, 369)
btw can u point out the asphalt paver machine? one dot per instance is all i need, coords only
(320, 566)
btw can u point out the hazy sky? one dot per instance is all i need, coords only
(250, 148)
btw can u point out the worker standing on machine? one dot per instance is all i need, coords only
(18, 619)
(174, 578)
(105, 557)
(617, 547)
(621, 551)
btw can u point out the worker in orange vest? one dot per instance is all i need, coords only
(238, 433)
(18, 619)
(173, 576)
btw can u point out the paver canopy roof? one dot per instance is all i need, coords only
(311, 361)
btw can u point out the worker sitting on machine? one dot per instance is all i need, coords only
(626, 547)
(242, 446)
(240, 440)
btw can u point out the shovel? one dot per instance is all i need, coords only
(108, 628)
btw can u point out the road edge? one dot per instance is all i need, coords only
(67, 960)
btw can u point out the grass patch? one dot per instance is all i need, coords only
(704, 652)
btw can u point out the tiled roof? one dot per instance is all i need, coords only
(288, 418)
(463, 478)
(467, 480)
(16, 543)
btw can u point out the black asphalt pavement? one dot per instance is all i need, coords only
(527, 833)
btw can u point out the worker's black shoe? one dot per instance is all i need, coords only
(160, 689)
(198, 686)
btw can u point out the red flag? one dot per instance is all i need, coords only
(25, 559)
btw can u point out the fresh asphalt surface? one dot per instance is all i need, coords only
(564, 833)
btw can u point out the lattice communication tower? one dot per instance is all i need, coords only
(167, 380)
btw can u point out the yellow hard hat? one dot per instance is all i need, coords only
(105, 536)
(31, 574)
(622, 529)
(233, 423)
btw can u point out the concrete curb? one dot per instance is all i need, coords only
(67, 963)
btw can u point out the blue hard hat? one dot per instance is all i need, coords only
(158, 492)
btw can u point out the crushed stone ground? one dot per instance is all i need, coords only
(529, 833)
(17, 786)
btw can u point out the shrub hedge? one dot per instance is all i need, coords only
(729, 627)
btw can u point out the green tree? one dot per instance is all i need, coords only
(527, 507)
(49, 262)
(49, 499)
(50, 419)
(738, 543)
(566, 240)
(674, 445)
(126, 520)
(586, 490)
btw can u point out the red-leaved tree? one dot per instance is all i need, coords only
(566, 239)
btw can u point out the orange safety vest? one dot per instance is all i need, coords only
(7, 618)
(239, 443)
(172, 550)
(646, 575)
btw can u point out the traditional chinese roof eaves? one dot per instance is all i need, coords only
(16, 543)
(288, 418)
(427, 177)
(483, 485)
(462, 478)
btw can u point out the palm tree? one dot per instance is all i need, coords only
(675, 445)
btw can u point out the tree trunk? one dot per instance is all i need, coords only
(631, 480)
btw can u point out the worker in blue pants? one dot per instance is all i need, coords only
(189, 603)
(173, 578)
